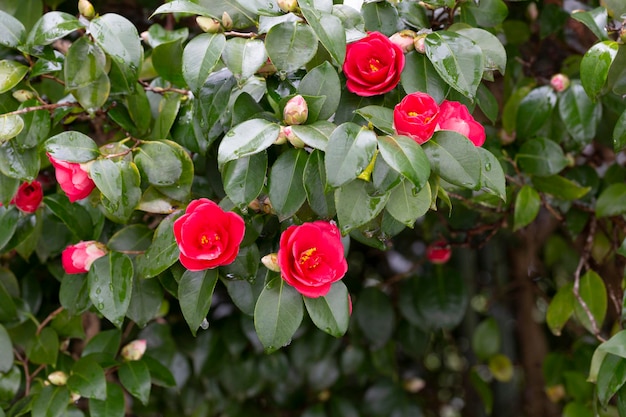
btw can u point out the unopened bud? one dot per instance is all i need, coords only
(271, 262)
(227, 21)
(23, 95)
(419, 43)
(559, 82)
(404, 39)
(439, 252)
(292, 138)
(282, 137)
(267, 69)
(208, 24)
(58, 378)
(414, 385)
(622, 34)
(555, 393)
(296, 111)
(74, 396)
(288, 5)
(134, 350)
(85, 8)
(506, 138)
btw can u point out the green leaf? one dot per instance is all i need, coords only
(405, 156)
(244, 178)
(244, 57)
(72, 146)
(527, 206)
(493, 51)
(247, 138)
(534, 110)
(486, 13)
(120, 40)
(420, 75)
(84, 64)
(406, 204)
(286, 188)
(612, 201)
(594, 67)
(52, 26)
(611, 378)
(168, 110)
(110, 286)
(315, 135)
(37, 126)
(200, 57)
(560, 187)
(380, 17)
(442, 299)
(145, 302)
(159, 373)
(353, 149)
(6, 348)
(314, 178)
(357, 203)
(561, 308)
(11, 73)
(119, 184)
(52, 401)
(195, 292)
(45, 348)
(12, 31)
(487, 103)
(322, 81)
(580, 115)
(135, 237)
(74, 293)
(414, 14)
(492, 175)
(486, 339)
(454, 158)
(135, 377)
(291, 45)
(593, 292)
(381, 117)
(457, 59)
(328, 28)
(87, 379)
(277, 314)
(74, 216)
(10, 126)
(158, 163)
(374, 314)
(596, 20)
(9, 387)
(331, 313)
(619, 133)
(542, 157)
(106, 341)
(167, 61)
(183, 6)
(163, 252)
(112, 406)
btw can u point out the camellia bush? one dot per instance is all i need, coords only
(310, 208)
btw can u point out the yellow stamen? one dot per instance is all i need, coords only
(412, 113)
(204, 240)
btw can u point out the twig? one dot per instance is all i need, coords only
(42, 107)
(48, 319)
(163, 90)
(581, 263)
(251, 35)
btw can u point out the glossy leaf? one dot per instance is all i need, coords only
(74, 293)
(75, 217)
(87, 379)
(244, 178)
(420, 75)
(52, 401)
(454, 158)
(315, 135)
(405, 156)
(12, 31)
(493, 50)
(595, 19)
(611, 378)
(168, 110)
(84, 64)
(314, 178)
(6, 351)
(135, 377)
(357, 203)
(406, 204)
(328, 29)
(119, 184)
(353, 149)
(162, 253)
(52, 26)
(580, 115)
(195, 292)
(380, 17)
(375, 316)
(561, 308)
(560, 187)
(113, 406)
(442, 300)
(486, 339)
(619, 133)
(593, 293)
(457, 59)
(381, 117)
(277, 314)
(106, 341)
(244, 57)
(158, 163)
(486, 13)
(183, 6)
(594, 67)
(292, 55)
(247, 138)
(72, 146)
(492, 175)
(286, 188)
(145, 302)
(36, 127)
(534, 110)
(611, 201)
(527, 206)
(322, 81)
(542, 157)
(45, 347)
(110, 286)
(11, 73)
(10, 127)
(331, 313)
(200, 56)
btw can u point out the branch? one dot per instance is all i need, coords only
(42, 107)
(48, 319)
(163, 90)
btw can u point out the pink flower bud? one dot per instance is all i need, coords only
(77, 259)
(296, 111)
(404, 39)
(271, 262)
(73, 178)
(282, 136)
(28, 197)
(439, 252)
(292, 138)
(419, 44)
(288, 5)
(208, 24)
(559, 82)
(134, 350)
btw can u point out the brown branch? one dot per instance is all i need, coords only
(52, 106)
(250, 35)
(163, 90)
(48, 319)
(584, 258)
(52, 77)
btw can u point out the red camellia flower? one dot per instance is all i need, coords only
(77, 259)
(455, 116)
(416, 116)
(439, 252)
(72, 178)
(208, 236)
(373, 65)
(28, 197)
(311, 257)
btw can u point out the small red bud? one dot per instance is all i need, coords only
(559, 82)
(439, 252)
